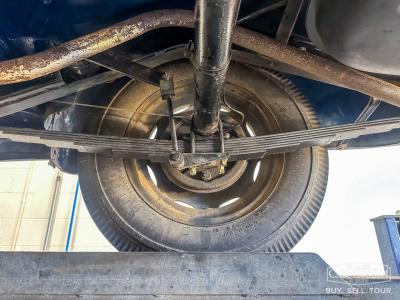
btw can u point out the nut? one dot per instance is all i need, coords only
(192, 171)
(176, 160)
(221, 169)
(206, 176)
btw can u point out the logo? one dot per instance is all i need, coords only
(358, 274)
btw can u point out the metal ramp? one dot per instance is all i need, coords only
(181, 276)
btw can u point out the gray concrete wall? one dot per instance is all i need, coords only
(26, 191)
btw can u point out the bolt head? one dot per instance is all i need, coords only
(192, 171)
(342, 147)
(166, 76)
(224, 162)
(206, 176)
(175, 156)
(221, 169)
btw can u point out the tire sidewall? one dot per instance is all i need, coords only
(275, 226)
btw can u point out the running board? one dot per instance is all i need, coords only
(237, 149)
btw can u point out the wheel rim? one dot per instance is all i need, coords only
(256, 182)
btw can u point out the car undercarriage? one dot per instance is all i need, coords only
(199, 126)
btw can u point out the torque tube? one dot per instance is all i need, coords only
(215, 20)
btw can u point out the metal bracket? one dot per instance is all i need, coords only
(120, 63)
(192, 160)
(290, 15)
(124, 65)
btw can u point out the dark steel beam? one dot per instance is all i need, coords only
(25, 100)
(120, 63)
(215, 20)
(261, 11)
(290, 15)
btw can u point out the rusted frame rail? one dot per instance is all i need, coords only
(54, 59)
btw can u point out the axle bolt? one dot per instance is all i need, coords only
(176, 160)
(221, 168)
(175, 156)
(166, 76)
(206, 176)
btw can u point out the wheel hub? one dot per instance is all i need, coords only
(206, 178)
(197, 199)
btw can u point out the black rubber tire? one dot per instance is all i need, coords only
(276, 226)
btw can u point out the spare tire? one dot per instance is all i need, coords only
(269, 207)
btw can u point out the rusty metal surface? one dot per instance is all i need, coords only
(46, 62)
(206, 186)
(54, 59)
(317, 66)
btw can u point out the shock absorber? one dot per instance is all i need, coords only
(215, 20)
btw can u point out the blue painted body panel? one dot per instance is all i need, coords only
(28, 26)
